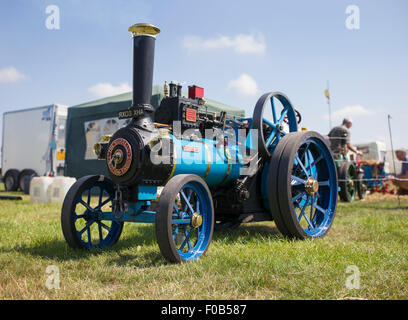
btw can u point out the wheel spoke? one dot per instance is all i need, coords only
(104, 225)
(324, 183)
(272, 125)
(283, 115)
(187, 202)
(188, 199)
(104, 202)
(309, 162)
(301, 165)
(186, 239)
(297, 179)
(313, 199)
(88, 224)
(317, 160)
(273, 110)
(86, 205)
(319, 208)
(89, 235)
(270, 138)
(100, 196)
(309, 222)
(299, 195)
(79, 216)
(302, 211)
(100, 233)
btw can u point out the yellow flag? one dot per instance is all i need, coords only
(327, 94)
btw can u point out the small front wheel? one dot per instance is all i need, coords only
(185, 218)
(82, 222)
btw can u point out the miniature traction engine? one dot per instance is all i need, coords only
(189, 171)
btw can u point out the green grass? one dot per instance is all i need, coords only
(251, 262)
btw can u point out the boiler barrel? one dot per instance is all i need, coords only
(214, 163)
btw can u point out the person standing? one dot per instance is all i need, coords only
(398, 180)
(339, 137)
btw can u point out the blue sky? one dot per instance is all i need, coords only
(236, 50)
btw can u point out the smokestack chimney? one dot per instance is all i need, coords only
(144, 37)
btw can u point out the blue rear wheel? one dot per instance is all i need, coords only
(185, 218)
(306, 186)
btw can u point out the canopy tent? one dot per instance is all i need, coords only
(87, 122)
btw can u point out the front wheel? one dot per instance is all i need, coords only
(185, 218)
(82, 214)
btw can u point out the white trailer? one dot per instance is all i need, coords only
(33, 143)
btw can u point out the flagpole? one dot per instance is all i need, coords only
(393, 158)
(328, 103)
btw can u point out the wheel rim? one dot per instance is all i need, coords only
(90, 205)
(191, 221)
(351, 182)
(271, 130)
(9, 182)
(313, 187)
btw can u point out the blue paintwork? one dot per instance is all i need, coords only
(208, 160)
(147, 192)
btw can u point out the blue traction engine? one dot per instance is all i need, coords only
(189, 170)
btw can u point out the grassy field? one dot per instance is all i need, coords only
(251, 262)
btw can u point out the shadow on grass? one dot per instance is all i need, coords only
(247, 233)
(58, 249)
(126, 251)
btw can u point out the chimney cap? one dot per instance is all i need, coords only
(144, 29)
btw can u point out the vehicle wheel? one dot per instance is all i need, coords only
(11, 180)
(306, 186)
(81, 217)
(185, 218)
(361, 186)
(27, 182)
(347, 182)
(274, 187)
(21, 178)
(270, 129)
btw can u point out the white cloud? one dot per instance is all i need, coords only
(241, 43)
(354, 111)
(11, 74)
(244, 85)
(105, 89)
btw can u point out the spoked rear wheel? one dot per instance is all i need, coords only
(185, 218)
(347, 182)
(82, 214)
(305, 186)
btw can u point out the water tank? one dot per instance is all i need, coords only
(59, 188)
(39, 189)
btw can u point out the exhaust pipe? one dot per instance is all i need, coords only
(144, 37)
